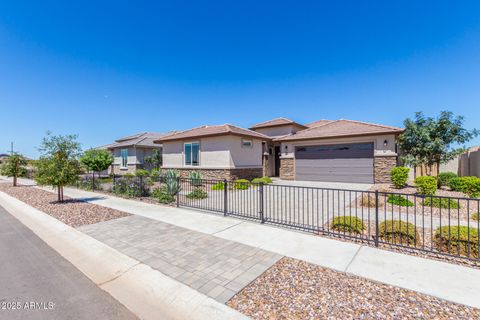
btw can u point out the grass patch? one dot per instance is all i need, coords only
(348, 224)
(397, 231)
(457, 240)
(443, 203)
(399, 200)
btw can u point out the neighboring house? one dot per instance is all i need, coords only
(325, 150)
(130, 152)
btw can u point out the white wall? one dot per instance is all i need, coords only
(378, 144)
(220, 152)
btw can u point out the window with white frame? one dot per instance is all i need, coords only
(247, 143)
(192, 153)
(124, 158)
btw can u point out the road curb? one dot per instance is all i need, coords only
(146, 292)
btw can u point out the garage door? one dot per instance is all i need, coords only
(336, 163)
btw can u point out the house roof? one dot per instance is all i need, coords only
(143, 139)
(341, 128)
(276, 122)
(215, 130)
(318, 123)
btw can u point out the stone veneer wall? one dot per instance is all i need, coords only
(131, 168)
(287, 168)
(220, 174)
(382, 168)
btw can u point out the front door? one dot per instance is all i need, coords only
(277, 161)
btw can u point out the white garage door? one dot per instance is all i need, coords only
(336, 163)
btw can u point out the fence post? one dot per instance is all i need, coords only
(178, 192)
(262, 216)
(376, 218)
(93, 180)
(141, 186)
(113, 182)
(225, 197)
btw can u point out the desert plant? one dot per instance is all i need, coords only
(426, 185)
(264, 180)
(399, 200)
(241, 184)
(172, 182)
(195, 178)
(399, 176)
(162, 195)
(218, 186)
(368, 200)
(444, 178)
(349, 224)
(457, 184)
(444, 203)
(197, 193)
(156, 173)
(397, 231)
(461, 240)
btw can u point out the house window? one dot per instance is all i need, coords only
(124, 156)
(247, 143)
(192, 154)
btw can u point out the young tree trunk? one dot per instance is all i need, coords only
(14, 180)
(438, 168)
(59, 199)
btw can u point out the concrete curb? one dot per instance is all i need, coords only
(146, 292)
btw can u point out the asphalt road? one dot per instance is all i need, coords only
(37, 283)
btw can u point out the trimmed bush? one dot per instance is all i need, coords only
(196, 178)
(162, 195)
(218, 186)
(348, 224)
(241, 184)
(399, 176)
(426, 185)
(264, 180)
(443, 203)
(397, 231)
(197, 193)
(472, 186)
(445, 177)
(457, 239)
(457, 184)
(399, 200)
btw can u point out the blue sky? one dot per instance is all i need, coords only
(107, 70)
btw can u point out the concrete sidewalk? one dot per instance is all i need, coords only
(443, 280)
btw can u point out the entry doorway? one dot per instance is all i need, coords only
(277, 161)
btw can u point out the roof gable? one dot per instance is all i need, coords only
(276, 122)
(215, 130)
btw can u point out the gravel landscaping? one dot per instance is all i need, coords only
(293, 289)
(71, 212)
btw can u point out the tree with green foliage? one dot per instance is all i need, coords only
(14, 167)
(58, 164)
(428, 141)
(155, 160)
(97, 160)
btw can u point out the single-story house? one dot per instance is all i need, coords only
(129, 152)
(324, 150)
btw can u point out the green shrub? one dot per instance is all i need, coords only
(399, 176)
(162, 195)
(475, 216)
(399, 200)
(195, 178)
(457, 239)
(130, 186)
(472, 186)
(156, 173)
(142, 173)
(349, 224)
(264, 180)
(197, 193)
(218, 186)
(241, 184)
(426, 185)
(128, 175)
(445, 177)
(397, 231)
(443, 203)
(87, 183)
(457, 184)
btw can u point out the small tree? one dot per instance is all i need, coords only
(58, 164)
(97, 160)
(14, 167)
(155, 160)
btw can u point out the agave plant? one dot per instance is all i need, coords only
(172, 182)
(195, 178)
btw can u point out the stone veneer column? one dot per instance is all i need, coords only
(382, 168)
(287, 168)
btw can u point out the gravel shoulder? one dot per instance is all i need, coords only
(294, 289)
(72, 212)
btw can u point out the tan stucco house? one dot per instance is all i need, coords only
(129, 152)
(324, 150)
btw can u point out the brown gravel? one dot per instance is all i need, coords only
(294, 289)
(73, 212)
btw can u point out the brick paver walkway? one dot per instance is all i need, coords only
(216, 267)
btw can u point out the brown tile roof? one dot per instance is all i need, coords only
(318, 123)
(275, 122)
(341, 128)
(216, 130)
(144, 139)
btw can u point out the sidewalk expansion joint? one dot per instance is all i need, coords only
(353, 258)
(118, 276)
(234, 225)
